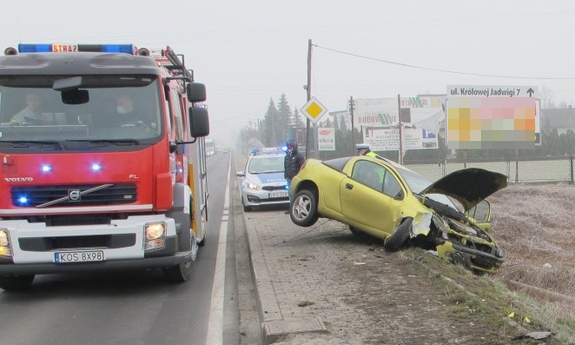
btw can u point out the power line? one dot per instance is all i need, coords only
(440, 69)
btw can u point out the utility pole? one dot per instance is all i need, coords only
(400, 158)
(308, 90)
(351, 109)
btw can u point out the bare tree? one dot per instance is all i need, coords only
(547, 99)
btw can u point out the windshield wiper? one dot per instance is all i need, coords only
(18, 144)
(109, 141)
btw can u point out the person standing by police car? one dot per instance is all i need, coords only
(293, 162)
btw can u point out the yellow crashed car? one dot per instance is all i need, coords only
(386, 200)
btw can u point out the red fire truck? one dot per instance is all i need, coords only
(102, 161)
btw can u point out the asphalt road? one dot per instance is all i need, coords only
(136, 307)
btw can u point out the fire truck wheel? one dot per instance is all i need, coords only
(12, 282)
(180, 273)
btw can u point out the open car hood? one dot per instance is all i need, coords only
(468, 186)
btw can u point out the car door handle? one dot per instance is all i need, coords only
(349, 186)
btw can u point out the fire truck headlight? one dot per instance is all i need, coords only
(5, 243)
(155, 234)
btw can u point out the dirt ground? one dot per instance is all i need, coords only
(404, 298)
(534, 224)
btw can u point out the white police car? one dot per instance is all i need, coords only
(263, 181)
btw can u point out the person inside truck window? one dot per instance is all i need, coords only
(31, 114)
(124, 104)
(127, 113)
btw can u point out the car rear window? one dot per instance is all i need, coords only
(338, 163)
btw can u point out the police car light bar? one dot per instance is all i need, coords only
(72, 48)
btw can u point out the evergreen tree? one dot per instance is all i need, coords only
(570, 139)
(342, 124)
(298, 121)
(284, 120)
(553, 142)
(270, 130)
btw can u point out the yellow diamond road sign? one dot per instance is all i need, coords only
(313, 110)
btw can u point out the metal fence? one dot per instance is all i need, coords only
(552, 169)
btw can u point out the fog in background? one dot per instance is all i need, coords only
(248, 52)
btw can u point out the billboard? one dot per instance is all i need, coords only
(421, 118)
(326, 139)
(492, 117)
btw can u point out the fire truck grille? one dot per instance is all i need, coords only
(73, 195)
(44, 244)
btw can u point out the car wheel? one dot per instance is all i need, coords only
(303, 210)
(14, 282)
(394, 241)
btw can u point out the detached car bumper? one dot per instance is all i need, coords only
(474, 259)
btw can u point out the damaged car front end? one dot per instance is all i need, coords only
(386, 200)
(458, 238)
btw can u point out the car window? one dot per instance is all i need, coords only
(266, 164)
(416, 184)
(480, 212)
(391, 186)
(369, 174)
(337, 163)
(256, 166)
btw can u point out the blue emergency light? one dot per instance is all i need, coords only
(72, 48)
(34, 48)
(96, 167)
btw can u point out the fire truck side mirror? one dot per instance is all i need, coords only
(196, 92)
(199, 122)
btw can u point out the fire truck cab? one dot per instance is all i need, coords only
(102, 161)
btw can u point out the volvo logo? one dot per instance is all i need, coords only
(18, 179)
(74, 195)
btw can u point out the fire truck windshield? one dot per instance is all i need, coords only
(101, 107)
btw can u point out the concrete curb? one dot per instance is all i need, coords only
(274, 326)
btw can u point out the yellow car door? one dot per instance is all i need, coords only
(362, 202)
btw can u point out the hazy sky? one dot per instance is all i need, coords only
(248, 52)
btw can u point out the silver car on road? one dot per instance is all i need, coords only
(263, 182)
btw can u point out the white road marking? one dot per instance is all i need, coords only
(216, 322)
